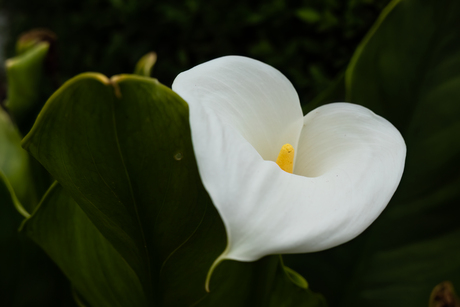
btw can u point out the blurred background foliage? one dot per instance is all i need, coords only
(310, 41)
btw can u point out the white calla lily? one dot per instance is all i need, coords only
(347, 164)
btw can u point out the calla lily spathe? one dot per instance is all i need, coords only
(348, 160)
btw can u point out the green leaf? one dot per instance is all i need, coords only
(15, 167)
(25, 73)
(121, 148)
(145, 64)
(20, 262)
(408, 70)
(308, 15)
(27, 275)
(76, 138)
(296, 278)
(9, 199)
(293, 289)
(95, 268)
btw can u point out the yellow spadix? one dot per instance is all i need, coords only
(285, 158)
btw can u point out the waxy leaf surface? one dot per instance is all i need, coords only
(95, 268)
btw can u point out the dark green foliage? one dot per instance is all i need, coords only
(309, 41)
(408, 72)
(27, 276)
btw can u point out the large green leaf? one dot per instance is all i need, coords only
(408, 70)
(96, 269)
(121, 148)
(117, 153)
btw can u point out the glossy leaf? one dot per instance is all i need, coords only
(96, 269)
(97, 147)
(121, 148)
(408, 70)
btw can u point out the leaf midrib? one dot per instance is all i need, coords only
(131, 191)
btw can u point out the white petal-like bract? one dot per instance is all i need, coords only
(348, 160)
